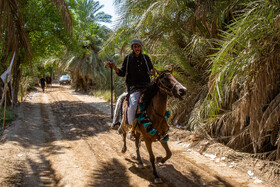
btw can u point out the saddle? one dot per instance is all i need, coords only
(140, 107)
(141, 115)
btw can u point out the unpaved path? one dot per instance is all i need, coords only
(61, 139)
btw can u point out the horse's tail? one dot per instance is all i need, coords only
(118, 113)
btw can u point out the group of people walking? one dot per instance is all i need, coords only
(45, 81)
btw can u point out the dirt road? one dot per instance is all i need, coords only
(61, 139)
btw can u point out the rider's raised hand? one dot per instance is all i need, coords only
(112, 66)
(108, 64)
(153, 72)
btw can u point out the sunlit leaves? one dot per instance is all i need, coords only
(241, 46)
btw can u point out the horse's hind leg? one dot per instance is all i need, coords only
(168, 154)
(137, 144)
(152, 160)
(124, 148)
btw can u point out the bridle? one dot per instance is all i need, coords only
(164, 87)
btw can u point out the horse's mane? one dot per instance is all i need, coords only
(152, 90)
(149, 93)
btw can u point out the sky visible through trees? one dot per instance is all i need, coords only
(109, 9)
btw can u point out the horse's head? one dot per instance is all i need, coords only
(169, 84)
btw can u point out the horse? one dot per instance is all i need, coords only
(167, 85)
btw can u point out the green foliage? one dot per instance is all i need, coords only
(84, 61)
(242, 44)
(9, 115)
(46, 34)
(45, 28)
(105, 94)
(179, 33)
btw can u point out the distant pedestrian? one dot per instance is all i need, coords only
(49, 80)
(43, 83)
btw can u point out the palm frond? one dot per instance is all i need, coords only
(12, 28)
(235, 56)
(66, 15)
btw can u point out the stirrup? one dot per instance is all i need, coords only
(142, 108)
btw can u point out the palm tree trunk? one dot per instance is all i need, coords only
(84, 85)
(16, 81)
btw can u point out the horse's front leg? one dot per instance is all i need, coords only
(137, 144)
(168, 154)
(148, 143)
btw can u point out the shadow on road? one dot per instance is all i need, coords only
(111, 173)
(167, 173)
(39, 124)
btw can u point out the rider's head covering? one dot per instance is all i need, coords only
(136, 41)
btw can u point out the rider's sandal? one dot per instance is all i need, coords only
(115, 126)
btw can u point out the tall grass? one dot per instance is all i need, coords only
(105, 94)
(9, 116)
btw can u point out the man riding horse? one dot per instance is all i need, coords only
(137, 68)
(151, 123)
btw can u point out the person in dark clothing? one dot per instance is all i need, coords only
(137, 68)
(43, 83)
(48, 80)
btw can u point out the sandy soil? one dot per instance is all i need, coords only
(62, 138)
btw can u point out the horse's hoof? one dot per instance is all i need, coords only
(140, 166)
(123, 149)
(158, 181)
(159, 160)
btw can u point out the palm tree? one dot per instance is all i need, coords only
(84, 62)
(244, 82)
(89, 12)
(187, 28)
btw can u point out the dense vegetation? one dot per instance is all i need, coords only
(225, 52)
